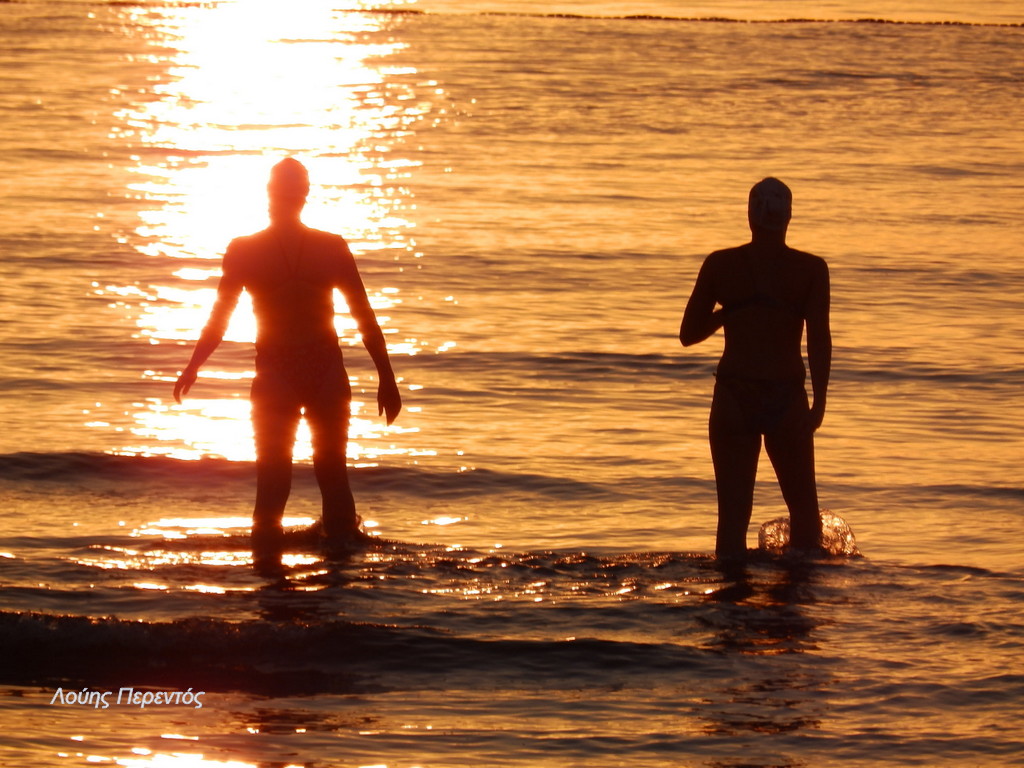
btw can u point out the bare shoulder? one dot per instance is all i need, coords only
(812, 273)
(726, 254)
(243, 243)
(241, 252)
(724, 258)
(323, 238)
(327, 246)
(809, 261)
(246, 245)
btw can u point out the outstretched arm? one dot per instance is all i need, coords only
(228, 291)
(700, 319)
(389, 401)
(819, 341)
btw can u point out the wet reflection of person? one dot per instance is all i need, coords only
(291, 272)
(766, 292)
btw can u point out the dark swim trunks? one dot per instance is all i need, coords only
(299, 372)
(294, 380)
(758, 405)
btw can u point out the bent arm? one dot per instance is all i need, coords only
(819, 342)
(700, 318)
(228, 290)
(389, 401)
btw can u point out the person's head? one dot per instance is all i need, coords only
(769, 207)
(287, 189)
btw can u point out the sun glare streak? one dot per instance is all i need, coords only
(239, 85)
(221, 427)
(225, 526)
(178, 759)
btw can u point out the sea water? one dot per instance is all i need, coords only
(529, 189)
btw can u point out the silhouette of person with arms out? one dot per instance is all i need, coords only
(291, 271)
(765, 292)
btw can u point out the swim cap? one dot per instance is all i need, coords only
(770, 205)
(289, 177)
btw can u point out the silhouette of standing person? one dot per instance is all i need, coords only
(765, 292)
(291, 272)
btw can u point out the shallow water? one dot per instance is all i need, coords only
(529, 197)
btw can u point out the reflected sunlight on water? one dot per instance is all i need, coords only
(145, 758)
(191, 541)
(125, 559)
(311, 82)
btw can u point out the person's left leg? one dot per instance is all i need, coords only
(328, 419)
(735, 449)
(790, 447)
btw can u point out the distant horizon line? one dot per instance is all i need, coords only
(563, 15)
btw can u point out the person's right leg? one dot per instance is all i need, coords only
(734, 451)
(275, 418)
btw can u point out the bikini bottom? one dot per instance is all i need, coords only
(758, 406)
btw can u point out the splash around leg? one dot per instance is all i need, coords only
(336, 546)
(837, 539)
